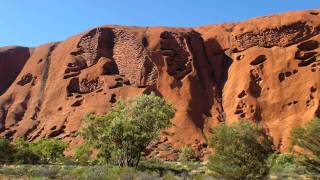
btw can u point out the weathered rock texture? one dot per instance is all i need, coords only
(265, 69)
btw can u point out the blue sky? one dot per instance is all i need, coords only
(34, 22)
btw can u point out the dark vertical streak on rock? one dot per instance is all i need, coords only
(43, 81)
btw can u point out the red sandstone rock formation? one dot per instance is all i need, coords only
(12, 60)
(265, 69)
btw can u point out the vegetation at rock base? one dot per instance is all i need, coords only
(6, 149)
(185, 154)
(243, 151)
(49, 150)
(285, 164)
(240, 151)
(43, 151)
(308, 138)
(125, 131)
(83, 154)
(24, 154)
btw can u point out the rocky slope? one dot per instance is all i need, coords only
(265, 69)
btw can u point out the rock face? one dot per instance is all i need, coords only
(12, 60)
(265, 69)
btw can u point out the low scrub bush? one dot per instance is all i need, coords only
(82, 154)
(49, 150)
(185, 154)
(281, 164)
(308, 138)
(6, 151)
(24, 154)
(240, 151)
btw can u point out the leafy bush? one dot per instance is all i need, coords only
(284, 164)
(47, 171)
(95, 172)
(83, 154)
(24, 154)
(169, 176)
(100, 172)
(161, 167)
(241, 151)
(107, 172)
(6, 151)
(185, 154)
(308, 138)
(14, 171)
(124, 132)
(49, 150)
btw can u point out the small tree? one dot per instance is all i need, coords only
(83, 154)
(308, 138)
(50, 150)
(124, 132)
(240, 151)
(6, 151)
(24, 154)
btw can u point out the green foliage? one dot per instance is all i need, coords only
(169, 176)
(107, 172)
(94, 172)
(185, 154)
(49, 150)
(6, 151)
(24, 154)
(284, 164)
(83, 154)
(123, 133)
(73, 172)
(15, 171)
(155, 165)
(308, 138)
(241, 151)
(51, 172)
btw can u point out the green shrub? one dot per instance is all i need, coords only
(6, 151)
(169, 176)
(83, 154)
(77, 171)
(48, 171)
(16, 170)
(240, 151)
(284, 164)
(68, 160)
(308, 138)
(100, 172)
(124, 132)
(65, 171)
(94, 172)
(24, 154)
(201, 176)
(49, 150)
(185, 154)
(7, 171)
